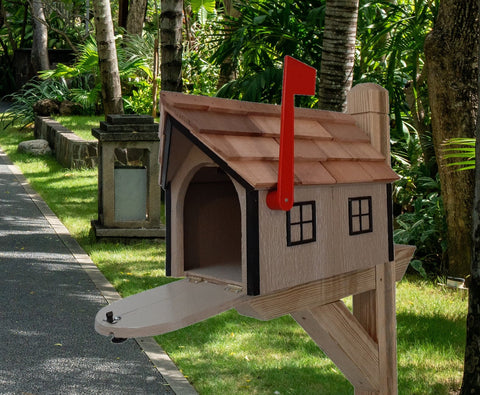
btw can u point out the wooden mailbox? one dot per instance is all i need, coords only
(219, 161)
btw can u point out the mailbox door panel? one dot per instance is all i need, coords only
(166, 308)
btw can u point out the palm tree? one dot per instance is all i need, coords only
(107, 58)
(338, 55)
(136, 17)
(40, 38)
(171, 45)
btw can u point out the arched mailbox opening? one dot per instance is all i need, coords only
(212, 227)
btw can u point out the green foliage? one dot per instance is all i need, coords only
(421, 221)
(84, 81)
(390, 52)
(21, 109)
(462, 151)
(199, 75)
(258, 40)
(418, 206)
(140, 99)
(202, 8)
(66, 30)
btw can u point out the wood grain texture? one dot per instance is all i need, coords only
(345, 341)
(276, 304)
(205, 224)
(179, 185)
(335, 250)
(375, 310)
(368, 104)
(166, 308)
(267, 307)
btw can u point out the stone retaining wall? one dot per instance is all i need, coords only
(70, 150)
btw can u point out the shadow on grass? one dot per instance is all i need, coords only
(230, 353)
(233, 351)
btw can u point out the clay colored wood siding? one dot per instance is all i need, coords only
(335, 250)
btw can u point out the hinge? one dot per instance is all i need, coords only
(195, 279)
(234, 288)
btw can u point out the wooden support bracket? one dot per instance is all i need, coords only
(362, 343)
(338, 333)
(320, 292)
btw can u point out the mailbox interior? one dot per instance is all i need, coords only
(212, 227)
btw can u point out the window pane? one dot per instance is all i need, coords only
(295, 233)
(355, 225)
(306, 213)
(307, 231)
(301, 223)
(365, 206)
(360, 220)
(295, 215)
(364, 223)
(355, 207)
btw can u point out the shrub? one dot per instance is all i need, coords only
(33, 91)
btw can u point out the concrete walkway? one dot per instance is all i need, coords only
(50, 292)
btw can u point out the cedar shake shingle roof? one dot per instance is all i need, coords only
(329, 147)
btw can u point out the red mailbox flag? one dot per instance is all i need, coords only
(298, 79)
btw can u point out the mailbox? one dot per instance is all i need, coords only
(219, 162)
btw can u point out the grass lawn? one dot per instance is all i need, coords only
(232, 354)
(81, 125)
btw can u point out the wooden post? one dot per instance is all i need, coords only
(369, 106)
(375, 311)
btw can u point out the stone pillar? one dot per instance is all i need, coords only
(129, 203)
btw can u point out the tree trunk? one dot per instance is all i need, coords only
(451, 52)
(136, 17)
(107, 58)
(171, 45)
(471, 370)
(336, 71)
(39, 57)
(122, 13)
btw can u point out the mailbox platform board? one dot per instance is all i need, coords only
(152, 312)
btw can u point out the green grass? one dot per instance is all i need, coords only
(81, 125)
(232, 354)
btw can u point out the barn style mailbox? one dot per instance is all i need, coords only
(237, 249)
(128, 169)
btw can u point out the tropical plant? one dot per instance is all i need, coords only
(462, 151)
(390, 39)
(21, 109)
(258, 40)
(418, 205)
(423, 224)
(202, 9)
(83, 77)
(199, 75)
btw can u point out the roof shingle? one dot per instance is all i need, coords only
(329, 147)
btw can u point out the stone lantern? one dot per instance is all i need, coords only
(128, 191)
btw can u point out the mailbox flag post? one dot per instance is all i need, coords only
(298, 79)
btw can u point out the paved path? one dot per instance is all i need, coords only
(48, 302)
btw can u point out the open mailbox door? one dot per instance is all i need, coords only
(166, 308)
